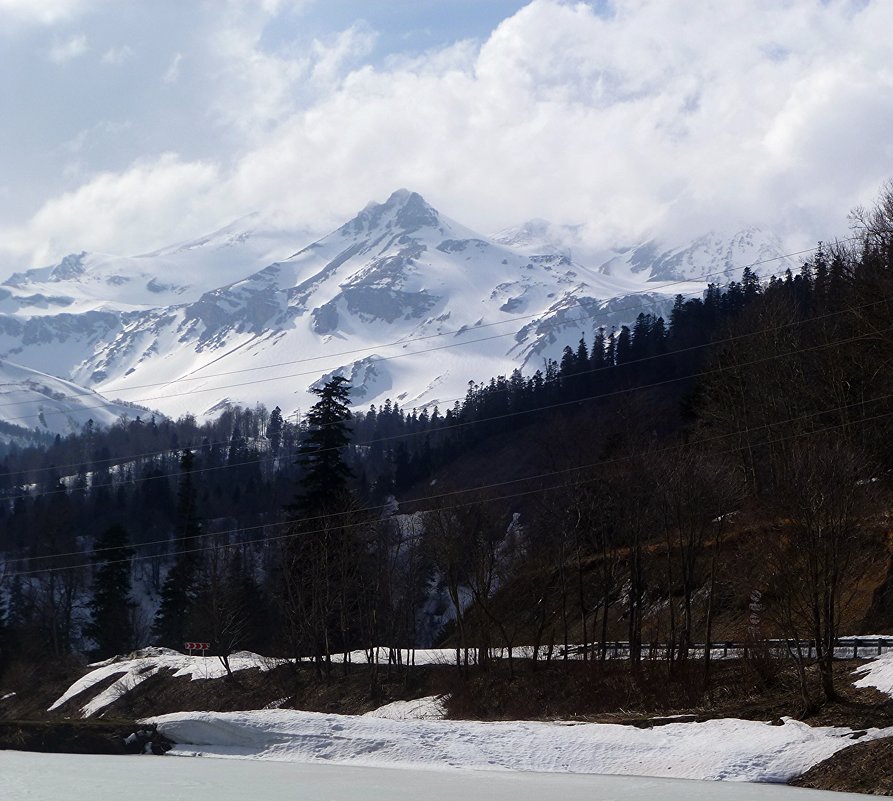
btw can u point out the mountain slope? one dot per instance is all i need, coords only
(404, 301)
(36, 401)
(716, 257)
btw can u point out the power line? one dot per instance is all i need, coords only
(465, 424)
(512, 496)
(494, 485)
(554, 323)
(116, 460)
(658, 288)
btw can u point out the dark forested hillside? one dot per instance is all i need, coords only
(643, 488)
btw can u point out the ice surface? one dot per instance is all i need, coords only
(57, 777)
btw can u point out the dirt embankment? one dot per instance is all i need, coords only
(861, 768)
(81, 737)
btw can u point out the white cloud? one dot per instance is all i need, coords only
(627, 122)
(111, 210)
(332, 58)
(656, 116)
(72, 48)
(43, 12)
(172, 73)
(117, 55)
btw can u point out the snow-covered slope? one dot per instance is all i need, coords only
(133, 669)
(33, 400)
(725, 749)
(717, 257)
(181, 273)
(406, 302)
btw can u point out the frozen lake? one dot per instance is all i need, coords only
(63, 777)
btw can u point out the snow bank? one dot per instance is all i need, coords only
(135, 668)
(428, 708)
(730, 749)
(877, 673)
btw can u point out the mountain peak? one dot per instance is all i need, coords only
(414, 212)
(404, 209)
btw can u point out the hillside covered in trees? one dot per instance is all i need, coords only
(722, 474)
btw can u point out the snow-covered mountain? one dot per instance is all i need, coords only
(84, 282)
(36, 401)
(717, 257)
(406, 302)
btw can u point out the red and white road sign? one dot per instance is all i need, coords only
(197, 646)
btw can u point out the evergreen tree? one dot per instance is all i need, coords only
(178, 593)
(274, 430)
(111, 623)
(236, 452)
(624, 343)
(568, 362)
(4, 634)
(322, 560)
(750, 282)
(641, 334)
(582, 353)
(325, 473)
(611, 350)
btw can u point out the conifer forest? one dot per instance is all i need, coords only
(645, 489)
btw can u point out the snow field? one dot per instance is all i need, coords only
(140, 665)
(877, 673)
(729, 749)
(430, 707)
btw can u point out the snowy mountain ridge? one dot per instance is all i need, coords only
(34, 400)
(214, 321)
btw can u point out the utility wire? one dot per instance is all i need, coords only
(116, 460)
(296, 534)
(658, 288)
(554, 323)
(467, 423)
(453, 493)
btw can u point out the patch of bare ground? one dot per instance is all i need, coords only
(287, 686)
(861, 768)
(595, 691)
(37, 684)
(79, 737)
(610, 692)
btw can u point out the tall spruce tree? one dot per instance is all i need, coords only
(178, 593)
(274, 431)
(320, 562)
(4, 634)
(111, 607)
(325, 474)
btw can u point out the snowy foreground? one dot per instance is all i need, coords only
(51, 777)
(405, 750)
(728, 749)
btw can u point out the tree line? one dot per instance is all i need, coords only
(740, 447)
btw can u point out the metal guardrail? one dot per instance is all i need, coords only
(844, 648)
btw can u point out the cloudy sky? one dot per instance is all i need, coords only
(127, 125)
